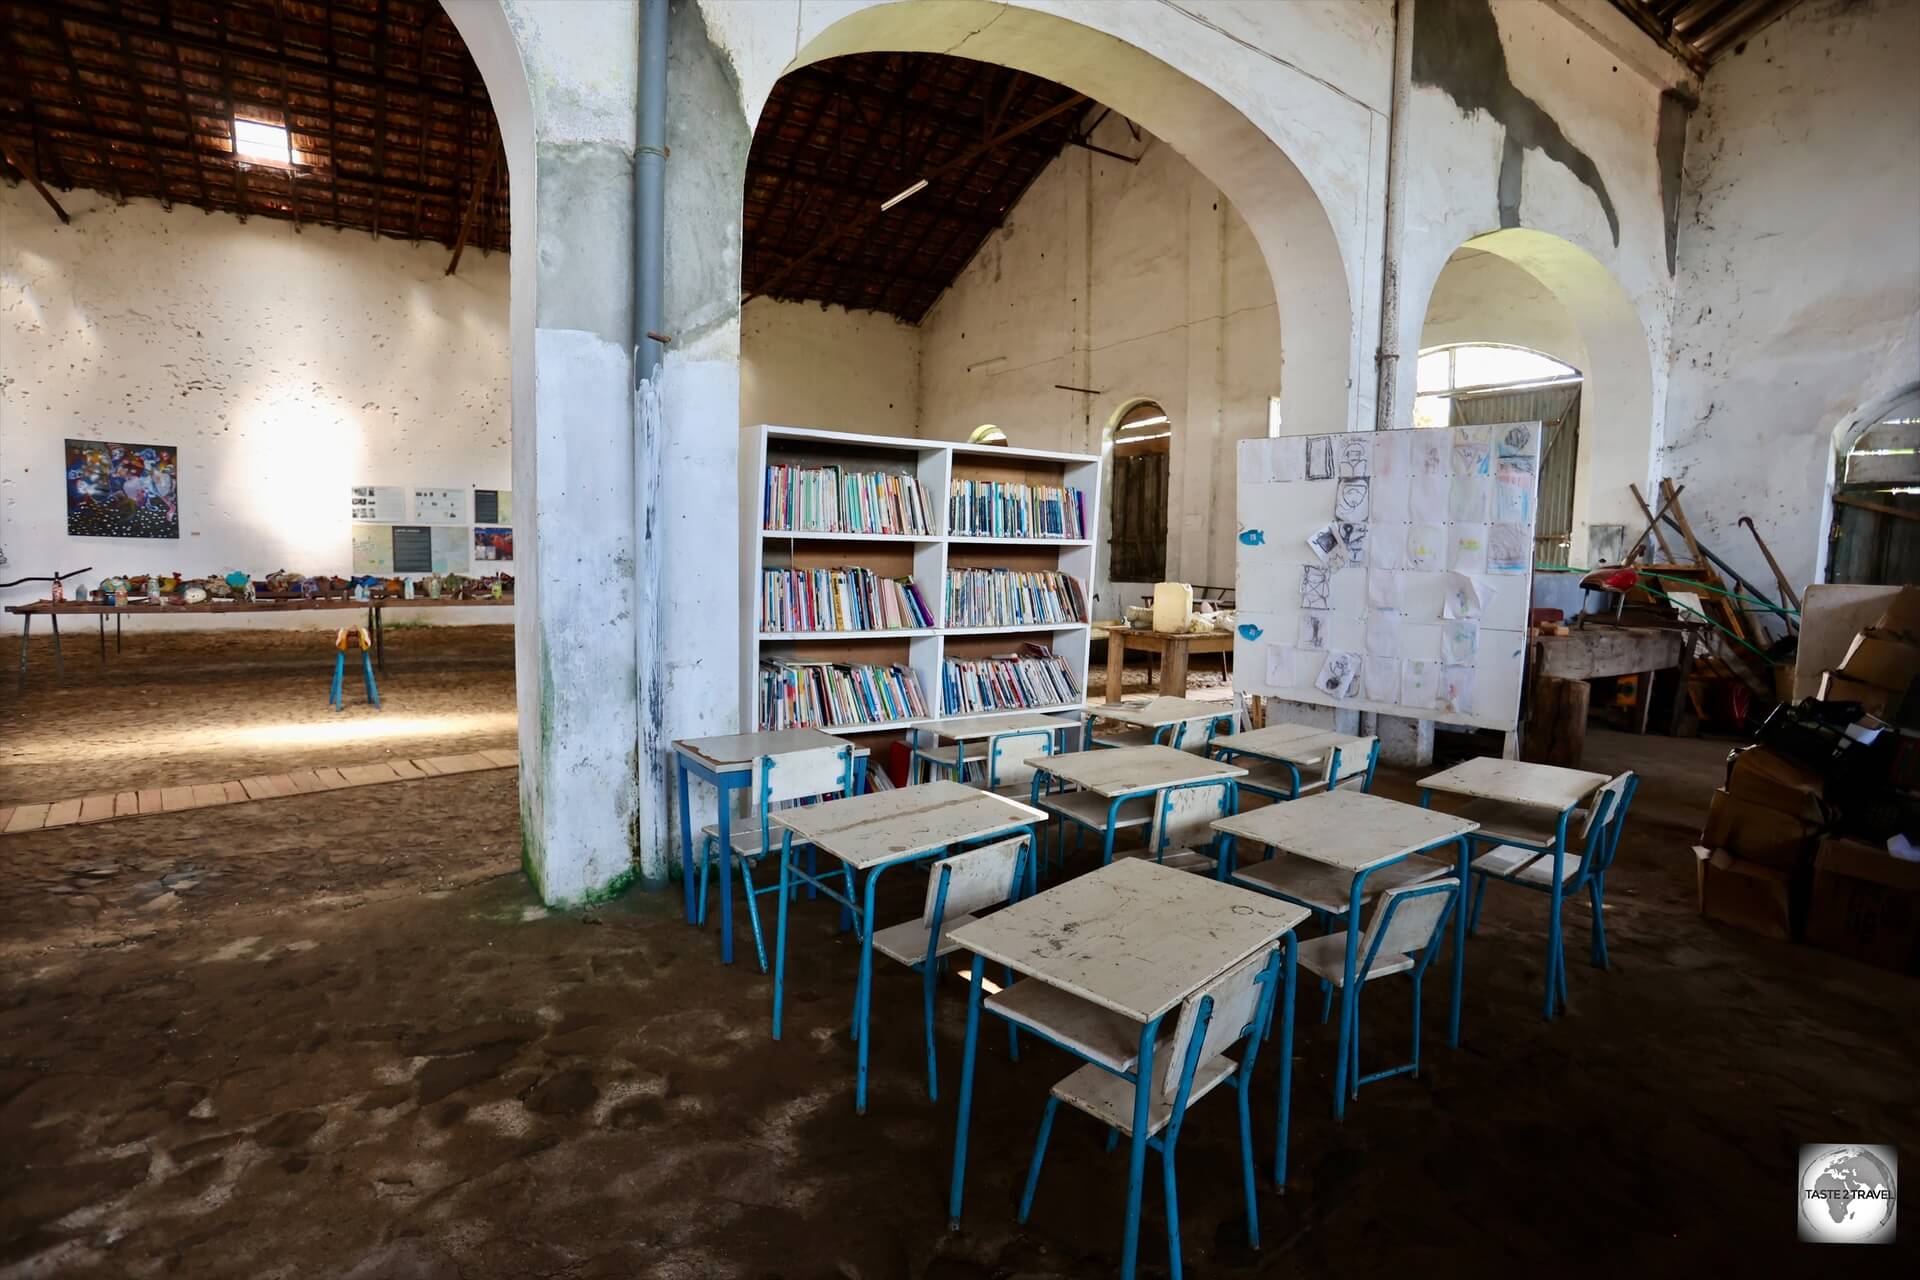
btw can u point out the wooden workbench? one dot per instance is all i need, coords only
(1174, 647)
(1557, 711)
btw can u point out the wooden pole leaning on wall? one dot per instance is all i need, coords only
(473, 201)
(33, 180)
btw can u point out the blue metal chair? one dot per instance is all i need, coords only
(1005, 760)
(1351, 763)
(1530, 867)
(1235, 1007)
(1195, 734)
(1182, 835)
(962, 885)
(1402, 937)
(792, 777)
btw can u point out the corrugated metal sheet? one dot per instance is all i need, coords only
(1558, 410)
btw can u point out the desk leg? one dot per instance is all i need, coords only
(1173, 668)
(863, 1000)
(1459, 942)
(1349, 1004)
(1143, 1088)
(103, 639)
(59, 666)
(966, 1096)
(1555, 897)
(26, 627)
(1286, 1066)
(726, 881)
(859, 775)
(1116, 667)
(116, 634)
(780, 934)
(686, 835)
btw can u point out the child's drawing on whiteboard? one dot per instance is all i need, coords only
(1426, 547)
(1459, 641)
(1508, 549)
(1518, 440)
(1456, 690)
(1350, 500)
(1313, 629)
(1429, 452)
(1319, 457)
(1338, 674)
(1513, 488)
(1353, 455)
(1419, 683)
(1380, 679)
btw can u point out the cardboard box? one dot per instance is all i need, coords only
(1901, 621)
(1745, 894)
(1757, 833)
(1769, 779)
(1836, 686)
(1887, 663)
(1865, 904)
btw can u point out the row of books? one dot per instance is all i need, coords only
(835, 695)
(848, 599)
(1010, 598)
(1010, 682)
(829, 500)
(987, 508)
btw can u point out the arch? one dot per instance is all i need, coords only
(1318, 339)
(1618, 371)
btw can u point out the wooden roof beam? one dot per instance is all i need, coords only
(33, 180)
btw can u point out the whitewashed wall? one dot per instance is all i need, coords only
(1481, 297)
(286, 366)
(1799, 293)
(805, 365)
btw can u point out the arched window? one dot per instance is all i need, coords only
(1137, 533)
(1876, 502)
(1478, 382)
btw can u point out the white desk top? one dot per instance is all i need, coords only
(1308, 747)
(1542, 786)
(1346, 829)
(1132, 936)
(1115, 771)
(1156, 713)
(976, 728)
(738, 751)
(865, 831)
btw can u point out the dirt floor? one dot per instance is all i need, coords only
(314, 1039)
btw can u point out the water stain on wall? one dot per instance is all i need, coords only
(1457, 50)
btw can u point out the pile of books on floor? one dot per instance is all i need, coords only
(1032, 678)
(1009, 598)
(847, 599)
(988, 509)
(828, 500)
(836, 695)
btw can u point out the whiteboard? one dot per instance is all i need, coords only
(1403, 559)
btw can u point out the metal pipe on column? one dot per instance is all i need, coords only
(1386, 391)
(651, 825)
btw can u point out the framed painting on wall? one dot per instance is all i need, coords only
(492, 543)
(122, 490)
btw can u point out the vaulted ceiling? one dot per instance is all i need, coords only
(390, 127)
(841, 137)
(1700, 31)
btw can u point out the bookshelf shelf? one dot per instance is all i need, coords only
(925, 557)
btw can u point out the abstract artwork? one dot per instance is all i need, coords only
(1354, 538)
(1319, 457)
(1316, 587)
(492, 543)
(122, 490)
(1509, 549)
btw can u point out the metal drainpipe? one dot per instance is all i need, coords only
(1387, 390)
(649, 271)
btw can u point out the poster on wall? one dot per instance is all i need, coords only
(492, 543)
(440, 506)
(122, 490)
(385, 503)
(450, 550)
(373, 550)
(493, 506)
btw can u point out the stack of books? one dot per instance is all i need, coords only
(828, 500)
(834, 695)
(988, 509)
(1028, 680)
(1009, 598)
(847, 599)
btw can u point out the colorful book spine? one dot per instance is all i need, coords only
(828, 695)
(844, 599)
(799, 499)
(1010, 598)
(989, 509)
(1008, 682)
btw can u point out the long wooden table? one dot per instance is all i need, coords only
(54, 610)
(1556, 720)
(1174, 647)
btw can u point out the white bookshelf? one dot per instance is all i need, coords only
(926, 557)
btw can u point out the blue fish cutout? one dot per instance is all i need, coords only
(1250, 632)
(1253, 538)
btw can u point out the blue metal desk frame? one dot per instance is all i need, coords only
(1349, 1003)
(1142, 1077)
(726, 780)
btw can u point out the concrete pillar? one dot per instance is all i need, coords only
(1404, 741)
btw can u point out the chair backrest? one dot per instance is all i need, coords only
(1237, 997)
(1609, 807)
(1408, 919)
(803, 775)
(1196, 735)
(974, 880)
(1354, 757)
(1010, 756)
(1183, 816)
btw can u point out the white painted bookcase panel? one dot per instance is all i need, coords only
(934, 464)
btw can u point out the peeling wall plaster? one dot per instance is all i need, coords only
(286, 365)
(1799, 288)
